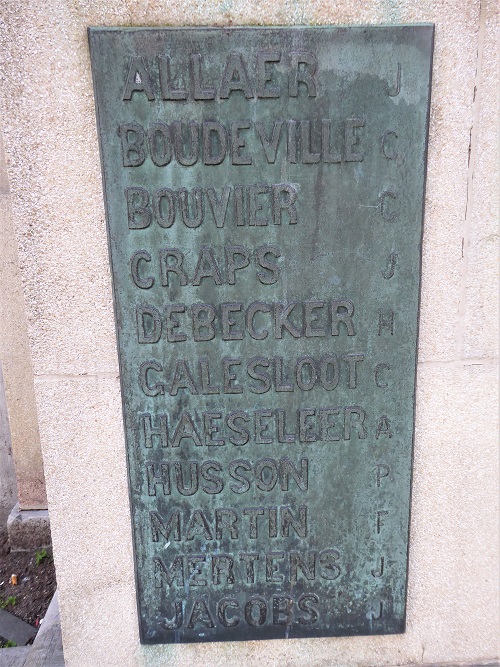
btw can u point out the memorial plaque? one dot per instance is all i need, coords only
(264, 194)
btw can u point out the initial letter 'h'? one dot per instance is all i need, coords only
(386, 321)
(151, 431)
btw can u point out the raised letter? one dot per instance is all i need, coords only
(326, 149)
(270, 146)
(167, 267)
(250, 617)
(200, 614)
(252, 310)
(267, 264)
(138, 80)
(354, 411)
(160, 144)
(377, 573)
(149, 431)
(219, 204)
(352, 140)
(263, 77)
(386, 321)
(199, 92)
(207, 267)
(352, 360)
(272, 568)
(158, 475)
(132, 136)
(378, 368)
(284, 198)
(197, 218)
(237, 257)
(186, 429)
(138, 210)
(153, 333)
(384, 427)
(308, 157)
(383, 470)
(342, 311)
(387, 274)
(235, 67)
(388, 194)
(172, 525)
(199, 324)
(380, 521)
(214, 142)
(389, 154)
(165, 221)
(168, 92)
(143, 283)
(182, 378)
(222, 607)
(194, 148)
(305, 603)
(172, 323)
(288, 520)
(150, 390)
(393, 91)
(282, 609)
(237, 142)
(305, 75)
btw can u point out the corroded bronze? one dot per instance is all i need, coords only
(264, 197)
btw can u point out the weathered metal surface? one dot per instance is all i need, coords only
(264, 198)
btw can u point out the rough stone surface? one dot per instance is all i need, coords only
(51, 144)
(480, 277)
(461, 664)
(28, 529)
(47, 647)
(8, 491)
(14, 629)
(13, 657)
(15, 359)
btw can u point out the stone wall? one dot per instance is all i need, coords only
(8, 491)
(50, 138)
(15, 359)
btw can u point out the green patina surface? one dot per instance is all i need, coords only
(264, 198)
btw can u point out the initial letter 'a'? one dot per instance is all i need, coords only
(138, 80)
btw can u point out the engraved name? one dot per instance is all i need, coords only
(260, 375)
(229, 523)
(243, 142)
(267, 74)
(257, 205)
(190, 477)
(281, 610)
(178, 322)
(262, 427)
(247, 567)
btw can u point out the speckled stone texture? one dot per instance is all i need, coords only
(53, 164)
(15, 359)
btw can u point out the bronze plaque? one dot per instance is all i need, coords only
(264, 194)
